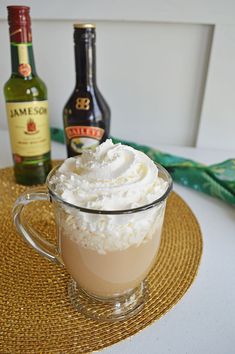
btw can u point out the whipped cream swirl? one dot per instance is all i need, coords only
(112, 177)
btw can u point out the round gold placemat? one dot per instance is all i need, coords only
(35, 313)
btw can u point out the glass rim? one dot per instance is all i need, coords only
(114, 212)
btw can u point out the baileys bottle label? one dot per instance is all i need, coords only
(83, 137)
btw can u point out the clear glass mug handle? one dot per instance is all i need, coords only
(30, 235)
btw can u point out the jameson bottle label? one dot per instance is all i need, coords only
(83, 137)
(29, 128)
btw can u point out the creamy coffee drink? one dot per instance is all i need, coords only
(109, 254)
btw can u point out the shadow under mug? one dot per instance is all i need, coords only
(107, 253)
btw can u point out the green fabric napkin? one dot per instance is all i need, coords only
(216, 180)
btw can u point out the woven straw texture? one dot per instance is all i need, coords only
(35, 313)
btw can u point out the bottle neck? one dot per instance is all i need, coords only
(85, 62)
(22, 59)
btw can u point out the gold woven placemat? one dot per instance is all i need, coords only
(35, 313)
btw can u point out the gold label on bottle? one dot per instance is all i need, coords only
(24, 68)
(82, 103)
(83, 137)
(23, 53)
(29, 127)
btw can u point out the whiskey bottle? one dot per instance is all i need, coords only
(26, 104)
(86, 115)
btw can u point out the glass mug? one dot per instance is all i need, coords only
(108, 277)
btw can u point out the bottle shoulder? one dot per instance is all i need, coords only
(100, 98)
(20, 89)
(92, 93)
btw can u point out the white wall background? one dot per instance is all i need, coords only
(167, 68)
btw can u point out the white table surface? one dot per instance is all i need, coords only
(203, 321)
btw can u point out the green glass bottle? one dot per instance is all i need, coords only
(26, 104)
